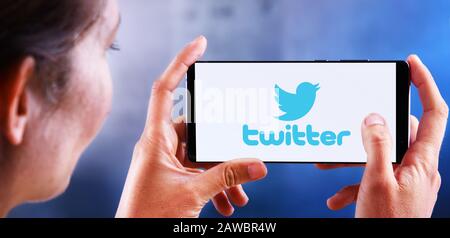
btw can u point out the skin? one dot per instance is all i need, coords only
(409, 189)
(40, 143)
(161, 181)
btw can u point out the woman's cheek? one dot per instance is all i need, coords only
(92, 100)
(108, 91)
(102, 96)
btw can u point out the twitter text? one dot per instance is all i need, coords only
(292, 136)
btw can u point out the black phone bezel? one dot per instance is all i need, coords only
(403, 83)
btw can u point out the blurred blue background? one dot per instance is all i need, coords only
(154, 30)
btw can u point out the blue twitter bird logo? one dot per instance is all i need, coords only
(296, 106)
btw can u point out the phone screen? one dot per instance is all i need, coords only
(288, 111)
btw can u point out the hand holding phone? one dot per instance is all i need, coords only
(409, 189)
(161, 181)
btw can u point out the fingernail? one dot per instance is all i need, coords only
(198, 38)
(246, 198)
(256, 171)
(417, 58)
(374, 119)
(231, 212)
(200, 52)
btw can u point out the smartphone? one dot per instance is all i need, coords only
(293, 111)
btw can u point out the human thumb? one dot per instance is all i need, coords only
(227, 175)
(378, 145)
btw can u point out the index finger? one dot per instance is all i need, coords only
(435, 110)
(179, 66)
(160, 106)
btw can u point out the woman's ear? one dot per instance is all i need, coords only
(14, 104)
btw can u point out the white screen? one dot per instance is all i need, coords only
(236, 102)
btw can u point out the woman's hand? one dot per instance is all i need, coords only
(161, 181)
(409, 189)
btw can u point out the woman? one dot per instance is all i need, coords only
(55, 92)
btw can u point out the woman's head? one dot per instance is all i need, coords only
(55, 89)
